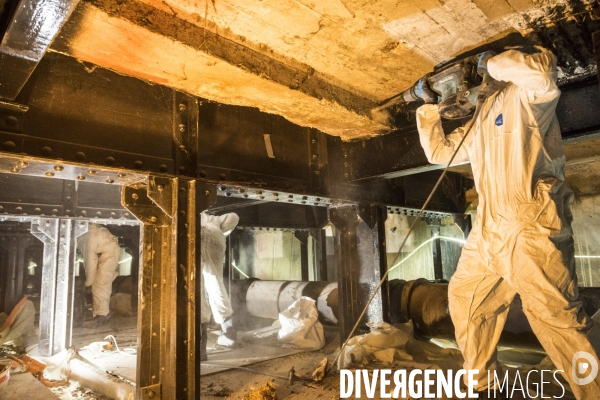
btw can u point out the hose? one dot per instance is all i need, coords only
(287, 378)
(481, 98)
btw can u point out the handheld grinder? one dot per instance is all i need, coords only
(454, 87)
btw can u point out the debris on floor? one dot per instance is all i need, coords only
(4, 374)
(300, 326)
(385, 343)
(264, 392)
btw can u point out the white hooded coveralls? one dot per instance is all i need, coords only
(521, 241)
(214, 231)
(100, 251)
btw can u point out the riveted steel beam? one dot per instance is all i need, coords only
(32, 27)
(155, 206)
(47, 231)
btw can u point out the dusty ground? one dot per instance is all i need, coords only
(242, 384)
(235, 384)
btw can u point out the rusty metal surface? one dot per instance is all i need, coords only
(187, 268)
(206, 196)
(157, 294)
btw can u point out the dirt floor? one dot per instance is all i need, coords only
(237, 384)
(268, 380)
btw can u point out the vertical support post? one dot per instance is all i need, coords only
(12, 281)
(373, 260)
(322, 244)
(206, 195)
(438, 268)
(155, 206)
(46, 230)
(345, 221)
(78, 229)
(187, 237)
(64, 286)
(302, 237)
(320, 253)
(16, 268)
(58, 281)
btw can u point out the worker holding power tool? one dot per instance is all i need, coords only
(521, 241)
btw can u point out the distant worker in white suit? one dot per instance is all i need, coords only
(521, 241)
(100, 251)
(215, 229)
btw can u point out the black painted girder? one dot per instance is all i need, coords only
(33, 26)
(400, 153)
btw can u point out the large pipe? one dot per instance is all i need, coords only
(420, 301)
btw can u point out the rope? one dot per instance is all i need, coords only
(437, 184)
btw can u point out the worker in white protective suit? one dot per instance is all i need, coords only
(521, 241)
(100, 252)
(214, 231)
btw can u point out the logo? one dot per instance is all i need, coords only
(499, 120)
(586, 371)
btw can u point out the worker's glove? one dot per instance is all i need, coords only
(482, 61)
(424, 91)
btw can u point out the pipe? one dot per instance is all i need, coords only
(420, 301)
(267, 299)
(98, 381)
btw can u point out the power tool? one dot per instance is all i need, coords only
(454, 87)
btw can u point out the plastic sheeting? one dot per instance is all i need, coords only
(19, 327)
(385, 343)
(300, 326)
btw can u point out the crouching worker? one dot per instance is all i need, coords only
(100, 251)
(213, 296)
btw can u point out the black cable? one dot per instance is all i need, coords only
(254, 371)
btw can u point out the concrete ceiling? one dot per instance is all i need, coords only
(322, 64)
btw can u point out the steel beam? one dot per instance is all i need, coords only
(345, 220)
(47, 230)
(186, 234)
(399, 153)
(32, 28)
(155, 206)
(15, 245)
(206, 196)
(319, 253)
(302, 237)
(373, 260)
(58, 280)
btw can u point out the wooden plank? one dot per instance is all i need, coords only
(94, 36)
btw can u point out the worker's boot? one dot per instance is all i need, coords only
(203, 340)
(228, 336)
(97, 321)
